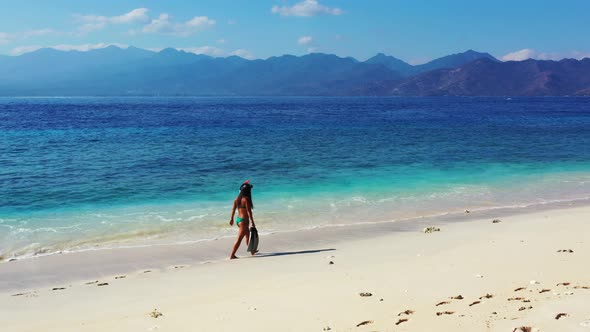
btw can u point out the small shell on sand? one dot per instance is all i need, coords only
(534, 282)
(585, 323)
(478, 276)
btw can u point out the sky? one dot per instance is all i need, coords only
(415, 31)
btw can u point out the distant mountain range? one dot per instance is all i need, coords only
(113, 71)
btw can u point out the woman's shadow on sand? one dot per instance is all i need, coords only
(287, 253)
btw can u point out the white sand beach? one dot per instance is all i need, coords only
(470, 276)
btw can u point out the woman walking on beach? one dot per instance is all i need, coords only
(243, 203)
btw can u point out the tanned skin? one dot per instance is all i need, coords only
(244, 212)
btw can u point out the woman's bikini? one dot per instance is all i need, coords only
(240, 219)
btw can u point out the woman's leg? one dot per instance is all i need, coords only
(243, 231)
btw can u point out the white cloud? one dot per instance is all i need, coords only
(91, 23)
(521, 55)
(243, 54)
(65, 47)
(163, 25)
(6, 37)
(24, 49)
(138, 15)
(221, 41)
(206, 50)
(306, 8)
(527, 53)
(305, 40)
(37, 33)
(312, 49)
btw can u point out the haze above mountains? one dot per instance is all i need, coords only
(113, 71)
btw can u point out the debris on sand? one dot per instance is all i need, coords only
(519, 289)
(445, 313)
(431, 229)
(58, 288)
(442, 303)
(365, 294)
(563, 284)
(496, 221)
(516, 299)
(458, 297)
(366, 322)
(156, 314)
(92, 282)
(331, 263)
(525, 308)
(560, 315)
(487, 296)
(103, 284)
(474, 303)
(467, 211)
(327, 328)
(569, 251)
(120, 277)
(401, 320)
(544, 290)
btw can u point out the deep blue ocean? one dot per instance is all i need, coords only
(83, 173)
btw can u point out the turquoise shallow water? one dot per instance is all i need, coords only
(83, 173)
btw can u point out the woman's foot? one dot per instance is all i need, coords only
(233, 257)
(254, 252)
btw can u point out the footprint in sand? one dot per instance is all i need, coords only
(120, 277)
(401, 320)
(525, 308)
(487, 296)
(442, 303)
(147, 271)
(516, 299)
(569, 251)
(474, 303)
(58, 288)
(445, 313)
(103, 284)
(561, 315)
(406, 312)
(365, 294)
(366, 322)
(92, 282)
(563, 284)
(544, 290)
(519, 289)
(458, 297)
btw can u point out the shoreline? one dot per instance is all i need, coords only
(64, 267)
(473, 275)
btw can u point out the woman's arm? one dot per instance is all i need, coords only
(233, 212)
(251, 217)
